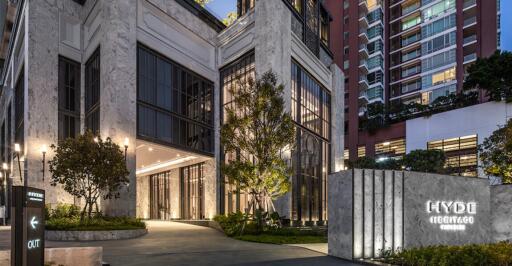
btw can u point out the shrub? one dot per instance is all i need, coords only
(232, 224)
(94, 224)
(429, 161)
(483, 254)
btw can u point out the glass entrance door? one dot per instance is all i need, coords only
(160, 194)
(192, 192)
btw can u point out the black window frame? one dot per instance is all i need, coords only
(19, 110)
(69, 93)
(188, 122)
(92, 95)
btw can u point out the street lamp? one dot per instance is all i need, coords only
(126, 142)
(43, 151)
(17, 151)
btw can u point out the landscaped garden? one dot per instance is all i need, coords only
(66, 217)
(269, 230)
(468, 255)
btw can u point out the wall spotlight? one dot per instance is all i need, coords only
(44, 149)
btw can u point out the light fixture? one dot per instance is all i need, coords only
(17, 150)
(157, 166)
(178, 155)
(96, 139)
(126, 142)
(4, 166)
(150, 149)
(386, 143)
(44, 148)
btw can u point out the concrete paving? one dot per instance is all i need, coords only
(169, 243)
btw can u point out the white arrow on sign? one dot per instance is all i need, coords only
(34, 222)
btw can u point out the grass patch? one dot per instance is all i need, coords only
(94, 224)
(282, 239)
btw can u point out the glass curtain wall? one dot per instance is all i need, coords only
(233, 76)
(174, 105)
(192, 192)
(311, 107)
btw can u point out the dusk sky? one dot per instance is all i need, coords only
(221, 7)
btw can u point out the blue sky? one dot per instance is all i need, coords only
(220, 8)
(506, 25)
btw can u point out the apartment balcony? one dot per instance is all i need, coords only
(469, 4)
(363, 6)
(470, 58)
(363, 67)
(469, 40)
(363, 82)
(363, 22)
(411, 8)
(362, 110)
(363, 36)
(469, 22)
(363, 97)
(363, 51)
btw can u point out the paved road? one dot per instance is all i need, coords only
(169, 243)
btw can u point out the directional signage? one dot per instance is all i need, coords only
(28, 227)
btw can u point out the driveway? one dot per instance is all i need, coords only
(170, 243)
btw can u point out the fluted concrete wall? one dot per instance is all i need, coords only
(375, 210)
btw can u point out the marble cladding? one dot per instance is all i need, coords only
(501, 212)
(375, 210)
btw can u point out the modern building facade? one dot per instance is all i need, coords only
(154, 76)
(406, 53)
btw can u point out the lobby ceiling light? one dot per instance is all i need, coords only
(150, 149)
(157, 166)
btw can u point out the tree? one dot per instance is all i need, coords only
(429, 161)
(88, 167)
(202, 2)
(496, 153)
(230, 18)
(492, 74)
(363, 163)
(257, 132)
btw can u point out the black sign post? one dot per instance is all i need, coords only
(27, 233)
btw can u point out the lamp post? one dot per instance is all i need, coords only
(43, 151)
(126, 142)
(17, 151)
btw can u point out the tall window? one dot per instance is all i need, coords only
(9, 132)
(92, 92)
(231, 77)
(175, 105)
(192, 192)
(19, 110)
(69, 98)
(311, 110)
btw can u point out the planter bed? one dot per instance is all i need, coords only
(54, 235)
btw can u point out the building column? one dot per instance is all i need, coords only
(118, 109)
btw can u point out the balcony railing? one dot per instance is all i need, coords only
(469, 39)
(409, 9)
(469, 21)
(469, 3)
(411, 39)
(469, 58)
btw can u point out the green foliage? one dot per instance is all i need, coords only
(88, 169)
(256, 133)
(493, 74)
(62, 211)
(363, 163)
(202, 2)
(429, 161)
(100, 223)
(468, 255)
(230, 18)
(233, 223)
(496, 153)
